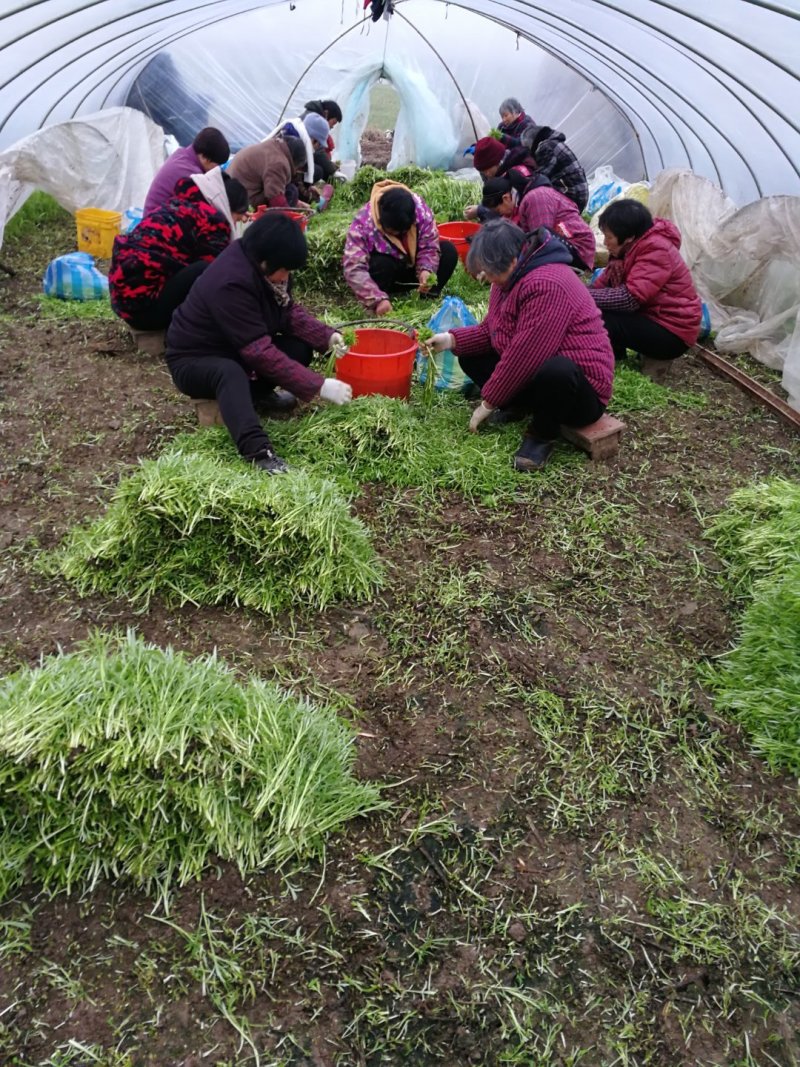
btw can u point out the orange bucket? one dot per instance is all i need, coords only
(458, 232)
(298, 216)
(380, 361)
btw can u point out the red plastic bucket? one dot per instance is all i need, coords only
(379, 361)
(458, 232)
(300, 217)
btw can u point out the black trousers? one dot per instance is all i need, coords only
(642, 335)
(225, 380)
(559, 392)
(324, 169)
(393, 274)
(159, 314)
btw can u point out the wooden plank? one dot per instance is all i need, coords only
(751, 386)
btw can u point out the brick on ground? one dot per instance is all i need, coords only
(600, 440)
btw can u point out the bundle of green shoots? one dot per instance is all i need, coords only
(759, 681)
(122, 759)
(205, 527)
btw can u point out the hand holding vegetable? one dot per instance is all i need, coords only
(442, 342)
(337, 345)
(425, 280)
(481, 412)
(336, 392)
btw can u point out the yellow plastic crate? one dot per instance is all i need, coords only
(97, 230)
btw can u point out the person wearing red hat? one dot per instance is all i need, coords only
(495, 161)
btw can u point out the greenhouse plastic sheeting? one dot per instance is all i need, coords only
(745, 264)
(705, 86)
(642, 86)
(106, 161)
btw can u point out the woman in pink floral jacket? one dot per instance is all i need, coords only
(393, 244)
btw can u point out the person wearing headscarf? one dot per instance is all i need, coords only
(393, 243)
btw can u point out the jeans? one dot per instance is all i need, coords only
(640, 333)
(225, 380)
(559, 392)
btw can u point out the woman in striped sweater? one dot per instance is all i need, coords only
(542, 348)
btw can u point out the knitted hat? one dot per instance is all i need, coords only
(317, 128)
(488, 153)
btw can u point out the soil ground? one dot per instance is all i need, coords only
(583, 862)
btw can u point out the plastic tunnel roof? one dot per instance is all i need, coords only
(712, 86)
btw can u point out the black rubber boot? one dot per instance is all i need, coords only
(533, 454)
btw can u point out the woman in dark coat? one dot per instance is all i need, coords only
(240, 334)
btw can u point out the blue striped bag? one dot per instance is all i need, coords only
(75, 277)
(449, 375)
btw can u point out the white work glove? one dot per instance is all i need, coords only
(442, 342)
(336, 392)
(481, 412)
(337, 345)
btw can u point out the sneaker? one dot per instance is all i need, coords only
(533, 454)
(267, 461)
(277, 402)
(502, 416)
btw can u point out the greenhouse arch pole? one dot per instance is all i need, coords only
(319, 55)
(542, 12)
(123, 51)
(408, 22)
(130, 61)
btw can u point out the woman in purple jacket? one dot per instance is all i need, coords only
(542, 348)
(392, 244)
(239, 334)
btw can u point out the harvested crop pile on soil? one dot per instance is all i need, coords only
(197, 528)
(122, 759)
(759, 682)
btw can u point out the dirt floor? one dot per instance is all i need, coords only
(376, 146)
(583, 862)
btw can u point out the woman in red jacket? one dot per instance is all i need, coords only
(646, 293)
(542, 348)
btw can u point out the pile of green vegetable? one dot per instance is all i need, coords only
(759, 681)
(204, 528)
(122, 759)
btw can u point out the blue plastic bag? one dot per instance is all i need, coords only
(452, 314)
(705, 324)
(131, 219)
(75, 277)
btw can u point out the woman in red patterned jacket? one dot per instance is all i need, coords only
(541, 349)
(646, 293)
(155, 265)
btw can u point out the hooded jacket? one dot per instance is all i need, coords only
(543, 310)
(655, 275)
(511, 133)
(556, 160)
(542, 205)
(366, 235)
(232, 312)
(184, 231)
